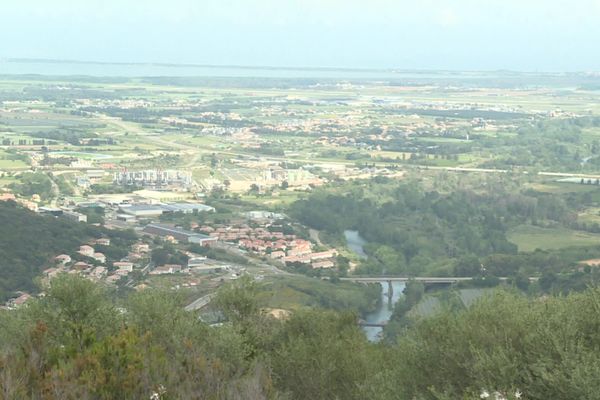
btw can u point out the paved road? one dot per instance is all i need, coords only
(55, 191)
(200, 303)
(314, 235)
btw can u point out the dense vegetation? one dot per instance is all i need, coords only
(30, 241)
(34, 183)
(559, 144)
(296, 292)
(409, 227)
(78, 342)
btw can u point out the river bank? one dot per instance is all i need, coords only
(385, 308)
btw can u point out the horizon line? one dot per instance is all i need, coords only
(34, 60)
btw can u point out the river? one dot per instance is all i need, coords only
(355, 243)
(383, 313)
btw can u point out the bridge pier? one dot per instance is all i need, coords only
(390, 293)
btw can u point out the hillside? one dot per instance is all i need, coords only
(28, 243)
(83, 347)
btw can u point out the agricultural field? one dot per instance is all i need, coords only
(556, 187)
(530, 238)
(11, 161)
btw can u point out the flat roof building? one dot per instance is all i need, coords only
(154, 210)
(180, 234)
(126, 217)
(143, 210)
(74, 216)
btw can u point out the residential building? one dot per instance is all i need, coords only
(86, 250)
(323, 264)
(63, 259)
(103, 241)
(124, 266)
(99, 257)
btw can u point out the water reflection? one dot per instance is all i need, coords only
(355, 243)
(384, 312)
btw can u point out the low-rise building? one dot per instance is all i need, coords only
(112, 279)
(323, 264)
(141, 248)
(188, 208)
(143, 210)
(98, 272)
(74, 216)
(298, 251)
(81, 266)
(103, 241)
(263, 215)
(179, 234)
(126, 218)
(7, 197)
(166, 269)
(324, 255)
(99, 257)
(19, 301)
(63, 259)
(277, 254)
(123, 266)
(86, 250)
(51, 272)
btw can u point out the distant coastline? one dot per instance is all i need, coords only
(58, 69)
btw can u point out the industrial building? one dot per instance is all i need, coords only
(56, 212)
(143, 210)
(180, 234)
(74, 216)
(154, 210)
(126, 217)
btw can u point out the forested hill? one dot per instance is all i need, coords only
(28, 241)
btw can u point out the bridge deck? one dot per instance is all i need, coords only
(406, 279)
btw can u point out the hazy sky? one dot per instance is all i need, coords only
(544, 35)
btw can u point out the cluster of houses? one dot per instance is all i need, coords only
(22, 298)
(317, 260)
(31, 205)
(94, 267)
(288, 249)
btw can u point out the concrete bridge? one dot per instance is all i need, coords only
(423, 279)
(372, 324)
